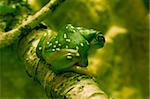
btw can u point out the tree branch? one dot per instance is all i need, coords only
(7, 38)
(57, 86)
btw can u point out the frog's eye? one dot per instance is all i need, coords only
(98, 41)
(100, 37)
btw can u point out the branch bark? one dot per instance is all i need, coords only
(57, 86)
(7, 38)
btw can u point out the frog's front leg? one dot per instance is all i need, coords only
(80, 70)
(62, 60)
(40, 46)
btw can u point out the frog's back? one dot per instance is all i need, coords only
(44, 42)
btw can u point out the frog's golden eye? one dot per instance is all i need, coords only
(100, 37)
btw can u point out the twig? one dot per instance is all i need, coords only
(7, 38)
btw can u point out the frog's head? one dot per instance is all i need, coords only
(95, 38)
(98, 40)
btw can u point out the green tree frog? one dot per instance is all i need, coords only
(68, 50)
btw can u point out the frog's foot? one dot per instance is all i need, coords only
(81, 70)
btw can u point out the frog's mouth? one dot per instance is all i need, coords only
(76, 64)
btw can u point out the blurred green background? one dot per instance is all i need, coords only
(122, 66)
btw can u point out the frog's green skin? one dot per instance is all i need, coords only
(67, 50)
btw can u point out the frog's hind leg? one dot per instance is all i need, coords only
(40, 45)
(80, 70)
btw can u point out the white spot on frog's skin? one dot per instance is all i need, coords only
(66, 27)
(56, 42)
(59, 44)
(68, 40)
(54, 46)
(69, 26)
(53, 50)
(81, 44)
(47, 43)
(69, 54)
(66, 46)
(79, 28)
(58, 49)
(69, 57)
(74, 31)
(77, 54)
(77, 48)
(40, 48)
(87, 42)
(50, 44)
(65, 35)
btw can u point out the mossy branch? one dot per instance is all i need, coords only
(68, 85)
(7, 38)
